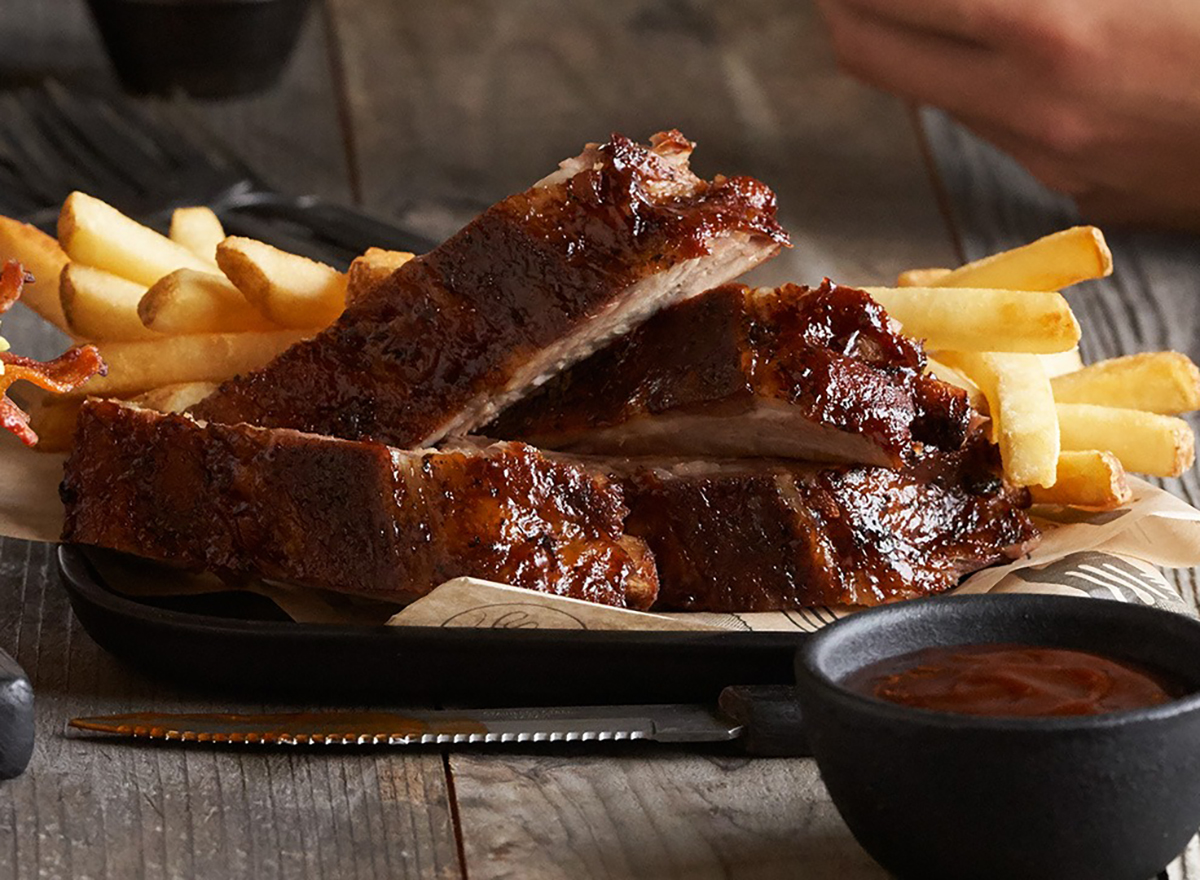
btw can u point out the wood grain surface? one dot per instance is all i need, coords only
(651, 813)
(425, 112)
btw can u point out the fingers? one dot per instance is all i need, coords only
(1049, 169)
(946, 72)
(984, 22)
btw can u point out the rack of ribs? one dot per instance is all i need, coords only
(537, 282)
(760, 535)
(791, 372)
(354, 517)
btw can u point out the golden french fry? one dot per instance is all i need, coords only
(1164, 382)
(368, 270)
(956, 377)
(1022, 408)
(134, 367)
(199, 230)
(101, 306)
(981, 320)
(290, 290)
(921, 277)
(1086, 478)
(96, 234)
(53, 420)
(1062, 362)
(1050, 263)
(1146, 443)
(175, 398)
(42, 258)
(187, 301)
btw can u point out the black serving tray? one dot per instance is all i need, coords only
(280, 659)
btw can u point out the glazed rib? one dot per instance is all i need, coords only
(354, 517)
(793, 372)
(534, 284)
(757, 535)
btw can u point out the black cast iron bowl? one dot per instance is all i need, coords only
(943, 795)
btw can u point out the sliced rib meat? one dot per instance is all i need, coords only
(757, 535)
(349, 516)
(532, 285)
(814, 374)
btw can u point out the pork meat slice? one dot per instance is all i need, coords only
(759, 535)
(532, 285)
(791, 372)
(355, 517)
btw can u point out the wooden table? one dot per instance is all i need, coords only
(426, 112)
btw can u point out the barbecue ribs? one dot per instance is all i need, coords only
(757, 535)
(349, 516)
(814, 374)
(532, 285)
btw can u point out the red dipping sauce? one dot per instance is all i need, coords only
(1015, 680)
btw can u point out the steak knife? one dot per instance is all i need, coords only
(760, 719)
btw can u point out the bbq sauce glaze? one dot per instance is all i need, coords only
(1014, 680)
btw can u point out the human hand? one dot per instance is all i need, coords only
(1099, 99)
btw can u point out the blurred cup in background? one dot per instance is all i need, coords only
(204, 48)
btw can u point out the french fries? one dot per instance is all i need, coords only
(290, 290)
(187, 301)
(1147, 443)
(1050, 263)
(101, 306)
(1062, 362)
(199, 230)
(1087, 478)
(982, 319)
(371, 268)
(921, 277)
(1165, 382)
(957, 377)
(41, 256)
(1111, 417)
(175, 398)
(53, 419)
(135, 367)
(1022, 409)
(96, 234)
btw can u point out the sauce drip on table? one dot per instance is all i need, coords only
(1013, 679)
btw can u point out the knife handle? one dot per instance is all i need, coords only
(16, 718)
(770, 713)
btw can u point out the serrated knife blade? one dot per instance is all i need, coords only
(678, 723)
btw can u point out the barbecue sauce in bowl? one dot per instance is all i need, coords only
(1005, 679)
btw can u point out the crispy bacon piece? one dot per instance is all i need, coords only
(65, 373)
(12, 281)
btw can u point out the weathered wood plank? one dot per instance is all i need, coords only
(651, 812)
(454, 107)
(110, 810)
